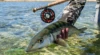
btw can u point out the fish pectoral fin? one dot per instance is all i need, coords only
(61, 42)
(83, 29)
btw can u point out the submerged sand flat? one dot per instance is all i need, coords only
(18, 24)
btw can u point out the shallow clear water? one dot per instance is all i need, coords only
(17, 18)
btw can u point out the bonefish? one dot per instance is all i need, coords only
(49, 34)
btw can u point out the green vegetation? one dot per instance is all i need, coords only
(76, 46)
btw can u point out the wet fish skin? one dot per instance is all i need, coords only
(49, 34)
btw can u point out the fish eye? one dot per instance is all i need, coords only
(40, 40)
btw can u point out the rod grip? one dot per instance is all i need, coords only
(36, 9)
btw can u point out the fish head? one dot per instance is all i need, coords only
(39, 41)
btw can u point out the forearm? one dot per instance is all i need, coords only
(57, 2)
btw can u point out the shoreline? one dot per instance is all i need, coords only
(36, 1)
(91, 0)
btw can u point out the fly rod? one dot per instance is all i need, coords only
(49, 5)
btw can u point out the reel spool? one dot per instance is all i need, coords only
(47, 15)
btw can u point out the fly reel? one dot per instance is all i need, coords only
(47, 15)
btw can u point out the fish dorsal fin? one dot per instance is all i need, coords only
(61, 42)
(83, 29)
